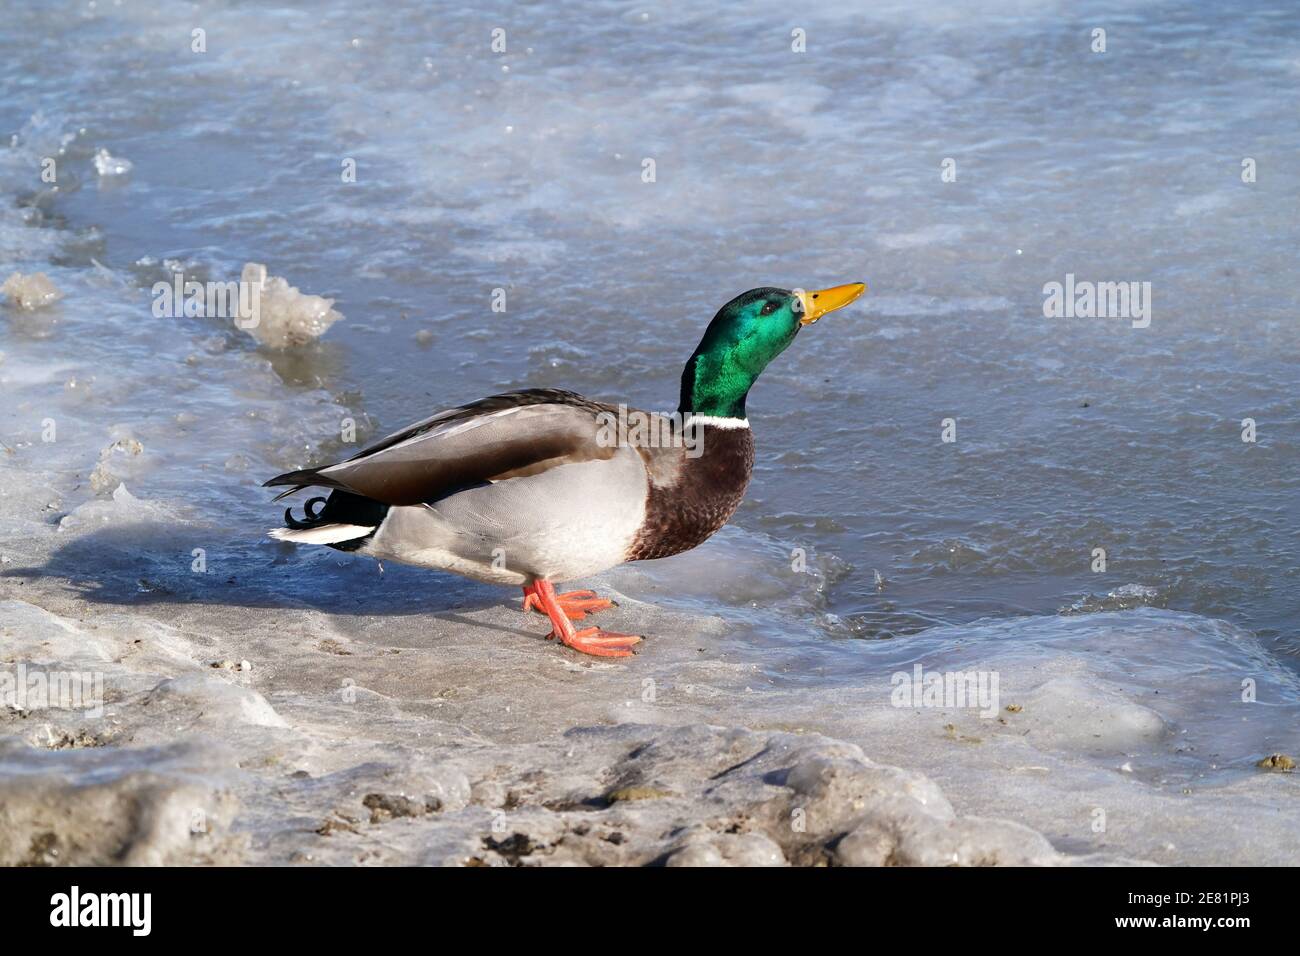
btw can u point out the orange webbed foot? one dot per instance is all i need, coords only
(598, 643)
(576, 605)
(563, 609)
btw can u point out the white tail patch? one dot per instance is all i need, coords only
(325, 534)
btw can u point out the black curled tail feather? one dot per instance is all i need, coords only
(341, 507)
(314, 517)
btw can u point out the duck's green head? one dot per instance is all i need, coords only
(746, 334)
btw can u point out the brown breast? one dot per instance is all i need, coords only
(691, 498)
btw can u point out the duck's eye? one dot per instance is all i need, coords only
(768, 309)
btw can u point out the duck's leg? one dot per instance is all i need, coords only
(589, 640)
(575, 604)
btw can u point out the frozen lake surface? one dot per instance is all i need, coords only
(1148, 690)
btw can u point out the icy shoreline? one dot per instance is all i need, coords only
(270, 705)
(257, 734)
(201, 766)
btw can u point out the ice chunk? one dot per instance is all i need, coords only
(1090, 716)
(924, 841)
(714, 796)
(123, 507)
(282, 316)
(1122, 598)
(35, 634)
(703, 847)
(30, 292)
(96, 807)
(208, 699)
(106, 164)
(110, 470)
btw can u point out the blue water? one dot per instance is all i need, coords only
(522, 171)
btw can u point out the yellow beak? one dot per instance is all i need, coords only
(816, 304)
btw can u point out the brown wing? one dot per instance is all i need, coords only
(505, 436)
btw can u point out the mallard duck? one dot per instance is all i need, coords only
(539, 486)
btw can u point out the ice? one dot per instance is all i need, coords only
(1121, 598)
(30, 292)
(687, 794)
(114, 465)
(59, 639)
(120, 508)
(212, 699)
(286, 317)
(1085, 716)
(366, 723)
(106, 164)
(92, 808)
